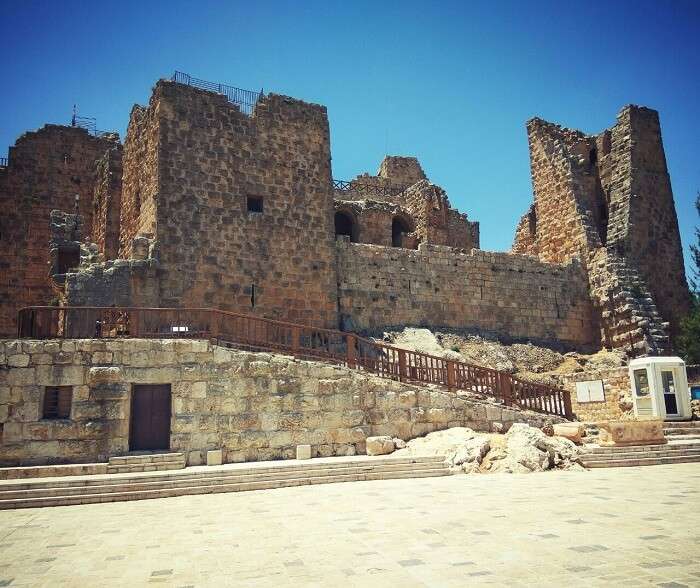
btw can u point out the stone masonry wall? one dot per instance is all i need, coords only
(107, 203)
(140, 179)
(255, 406)
(616, 388)
(513, 296)
(47, 169)
(278, 263)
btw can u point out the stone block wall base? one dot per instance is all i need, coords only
(623, 433)
(215, 458)
(303, 451)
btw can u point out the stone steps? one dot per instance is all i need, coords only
(640, 455)
(147, 462)
(645, 461)
(88, 490)
(52, 471)
(636, 455)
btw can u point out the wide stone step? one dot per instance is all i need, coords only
(121, 495)
(229, 469)
(638, 455)
(146, 467)
(679, 445)
(146, 458)
(681, 431)
(156, 483)
(52, 471)
(681, 425)
(644, 461)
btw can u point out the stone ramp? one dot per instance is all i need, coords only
(206, 480)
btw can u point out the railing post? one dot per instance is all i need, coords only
(506, 389)
(451, 375)
(402, 365)
(568, 410)
(351, 350)
(296, 337)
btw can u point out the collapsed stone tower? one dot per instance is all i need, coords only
(607, 199)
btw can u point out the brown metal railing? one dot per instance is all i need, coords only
(261, 334)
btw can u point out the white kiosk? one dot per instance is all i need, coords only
(660, 388)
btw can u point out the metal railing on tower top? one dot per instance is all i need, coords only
(244, 99)
(261, 334)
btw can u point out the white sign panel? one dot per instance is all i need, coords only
(590, 391)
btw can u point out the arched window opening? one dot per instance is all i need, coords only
(399, 228)
(345, 225)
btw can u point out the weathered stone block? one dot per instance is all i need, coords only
(303, 452)
(214, 457)
(380, 445)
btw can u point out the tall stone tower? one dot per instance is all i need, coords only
(240, 206)
(607, 199)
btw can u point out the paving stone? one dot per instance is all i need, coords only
(332, 554)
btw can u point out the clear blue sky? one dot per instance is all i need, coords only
(450, 82)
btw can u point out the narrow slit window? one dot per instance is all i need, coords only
(57, 402)
(252, 296)
(255, 204)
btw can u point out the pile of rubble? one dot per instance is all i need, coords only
(525, 360)
(522, 449)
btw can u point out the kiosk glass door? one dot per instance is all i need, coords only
(669, 387)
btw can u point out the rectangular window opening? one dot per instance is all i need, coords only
(252, 296)
(255, 204)
(57, 402)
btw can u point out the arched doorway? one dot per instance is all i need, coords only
(399, 227)
(345, 225)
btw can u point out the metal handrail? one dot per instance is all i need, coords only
(359, 187)
(304, 341)
(244, 99)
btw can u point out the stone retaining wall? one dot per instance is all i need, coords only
(256, 406)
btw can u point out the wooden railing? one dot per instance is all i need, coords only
(261, 334)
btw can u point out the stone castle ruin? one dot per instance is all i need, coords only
(214, 200)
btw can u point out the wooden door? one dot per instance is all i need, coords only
(150, 417)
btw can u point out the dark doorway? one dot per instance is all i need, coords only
(150, 417)
(345, 225)
(68, 258)
(399, 228)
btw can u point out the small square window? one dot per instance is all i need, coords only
(255, 204)
(57, 402)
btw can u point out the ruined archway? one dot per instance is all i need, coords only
(346, 225)
(399, 227)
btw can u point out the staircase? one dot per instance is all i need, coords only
(207, 480)
(146, 462)
(682, 430)
(683, 446)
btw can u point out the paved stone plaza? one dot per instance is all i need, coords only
(612, 527)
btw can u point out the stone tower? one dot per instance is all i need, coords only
(607, 199)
